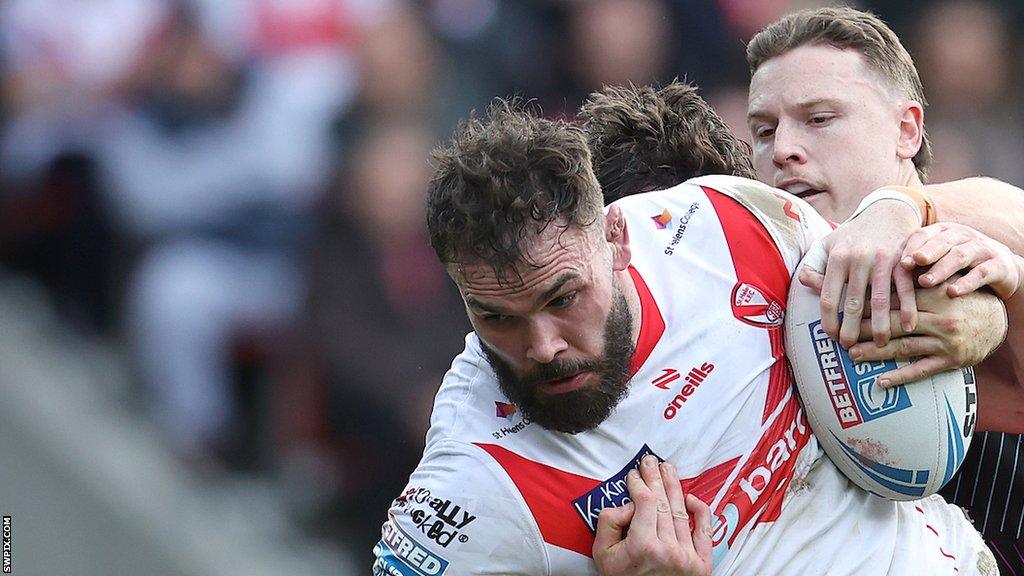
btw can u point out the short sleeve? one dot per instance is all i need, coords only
(458, 516)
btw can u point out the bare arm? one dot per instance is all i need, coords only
(991, 207)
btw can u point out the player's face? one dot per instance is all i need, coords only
(826, 128)
(560, 341)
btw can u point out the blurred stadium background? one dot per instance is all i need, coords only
(221, 326)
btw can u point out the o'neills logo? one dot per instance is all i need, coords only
(693, 379)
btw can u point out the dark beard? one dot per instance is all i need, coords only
(581, 409)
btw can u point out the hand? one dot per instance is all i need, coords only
(951, 333)
(949, 248)
(660, 541)
(866, 252)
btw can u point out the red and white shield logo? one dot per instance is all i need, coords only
(750, 305)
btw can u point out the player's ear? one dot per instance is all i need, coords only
(911, 116)
(617, 235)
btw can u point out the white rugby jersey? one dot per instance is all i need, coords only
(711, 391)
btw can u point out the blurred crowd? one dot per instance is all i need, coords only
(231, 191)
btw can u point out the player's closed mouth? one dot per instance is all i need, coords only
(563, 385)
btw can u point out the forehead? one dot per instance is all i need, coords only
(812, 73)
(553, 253)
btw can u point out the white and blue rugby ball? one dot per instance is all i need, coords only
(901, 443)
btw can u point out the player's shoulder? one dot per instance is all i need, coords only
(465, 404)
(459, 515)
(791, 221)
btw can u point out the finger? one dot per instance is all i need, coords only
(936, 247)
(644, 522)
(676, 502)
(904, 282)
(918, 370)
(982, 275)
(811, 278)
(651, 473)
(853, 305)
(880, 322)
(896, 330)
(914, 243)
(831, 295)
(701, 514)
(902, 348)
(959, 257)
(612, 524)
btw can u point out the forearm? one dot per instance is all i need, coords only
(1000, 391)
(1001, 377)
(992, 207)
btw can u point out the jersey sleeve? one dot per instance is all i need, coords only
(793, 224)
(457, 517)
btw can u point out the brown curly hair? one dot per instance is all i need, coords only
(845, 28)
(648, 138)
(506, 178)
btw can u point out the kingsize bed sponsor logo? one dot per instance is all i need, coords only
(610, 493)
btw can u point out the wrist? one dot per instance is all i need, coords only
(1018, 263)
(915, 200)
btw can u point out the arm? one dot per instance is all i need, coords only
(944, 249)
(994, 208)
(865, 250)
(950, 335)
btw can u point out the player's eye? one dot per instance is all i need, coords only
(765, 132)
(820, 119)
(564, 300)
(494, 318)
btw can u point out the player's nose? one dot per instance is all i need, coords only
(787, 146)
(545, 340)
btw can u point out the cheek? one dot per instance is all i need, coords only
(585, 328)
(503, 342)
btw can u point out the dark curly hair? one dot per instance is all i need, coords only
(505, 178)
(649, 138)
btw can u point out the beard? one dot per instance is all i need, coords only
(582, 409)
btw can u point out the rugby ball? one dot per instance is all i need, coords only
(901, 443)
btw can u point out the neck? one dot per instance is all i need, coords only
(908, 176)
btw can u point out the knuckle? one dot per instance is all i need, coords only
(879, 300)
(643, 497)
(952, 326)
(648, 549)
(904, 347)
(853, 304)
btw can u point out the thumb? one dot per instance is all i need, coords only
(811, 278)
(611, 527)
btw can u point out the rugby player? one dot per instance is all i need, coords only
(836, 109)
(603, 338)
